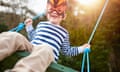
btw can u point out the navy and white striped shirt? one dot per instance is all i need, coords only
(55, 36)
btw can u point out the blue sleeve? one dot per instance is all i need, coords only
(30, 32)
(67, 49)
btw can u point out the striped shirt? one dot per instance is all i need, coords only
(55, 36)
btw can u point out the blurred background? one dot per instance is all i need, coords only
(81, 18)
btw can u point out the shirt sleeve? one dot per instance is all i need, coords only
(30, 32)
(70, 50)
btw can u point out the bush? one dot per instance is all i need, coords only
(3, 28)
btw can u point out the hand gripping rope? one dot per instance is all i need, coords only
(87, 50)
(22, 25)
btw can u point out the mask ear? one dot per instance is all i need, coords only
(57, 3)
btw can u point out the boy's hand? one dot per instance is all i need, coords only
(86, 45)
(28, 22)
(83, 47)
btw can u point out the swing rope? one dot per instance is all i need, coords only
(87, 50)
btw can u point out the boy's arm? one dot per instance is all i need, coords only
(30, 32)
(72, 51)
(29, 28)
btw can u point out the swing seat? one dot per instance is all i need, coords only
(54, 67)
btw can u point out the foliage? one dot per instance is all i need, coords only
(3, 27)
(102, 49)
(9, 62)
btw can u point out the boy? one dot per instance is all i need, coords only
(46, 41)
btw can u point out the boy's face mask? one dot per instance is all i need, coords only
(56, 5)
(60, 10)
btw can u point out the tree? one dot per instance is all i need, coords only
(113, 34)
(15, 8)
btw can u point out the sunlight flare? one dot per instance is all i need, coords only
(87, 2)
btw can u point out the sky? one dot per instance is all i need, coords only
(38, 6)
